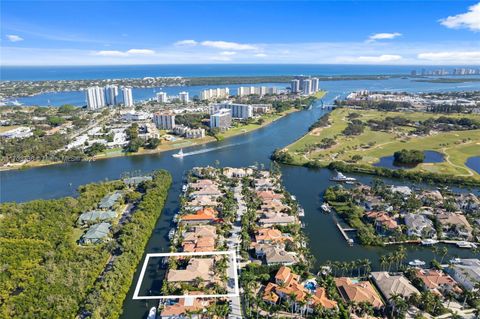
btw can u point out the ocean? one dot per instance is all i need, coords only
(37, 73)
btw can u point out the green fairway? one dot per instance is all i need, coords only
(457, 146)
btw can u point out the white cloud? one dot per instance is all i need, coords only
(469, 57)
(131, 52)
(227, 53)
(384, 58)
(469, 20)
(140, 52)
(383, 36)
(186, 43)
(224, 45)
(14, 38)
(221, 58)
(261, 55)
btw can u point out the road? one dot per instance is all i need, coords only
(233, 244)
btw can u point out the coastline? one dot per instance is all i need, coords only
(165, 147)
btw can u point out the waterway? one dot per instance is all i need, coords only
(307, 185)
(389, 161)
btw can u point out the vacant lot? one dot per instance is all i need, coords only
(457, 146)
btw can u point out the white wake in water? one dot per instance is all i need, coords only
(210, 149)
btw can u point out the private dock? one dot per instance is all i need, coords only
(344, 233)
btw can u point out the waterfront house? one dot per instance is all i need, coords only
(237, 172)
(275, 219)
(135, 181)
(270, 235)
(96, 234)
(383, 222)
(469, 203)
(287, 284)
(197, 268)
(109, 201)
(96, 216)
(269, 195)
(352, 290)
(437, 281)
(405, 191)
(188, 307)
(390, 285)
(201, 216)
(466, 272)
(211, 191)
(199, 239)
(455, 225)
(419, 226)
(274, 254)
(200, 202)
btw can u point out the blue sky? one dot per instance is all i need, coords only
(143, 32)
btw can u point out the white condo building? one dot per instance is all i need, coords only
(95, 98)
(162, 97)
(111, 95)
(241, 111)
(307, 86)
(127, 96)
(183, 96)
(222, 119)
(164, 121)
(315, 85)
(295, 86)
(218, 93)
(259, 90)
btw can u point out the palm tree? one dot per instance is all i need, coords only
(383, 262)
(443, 253)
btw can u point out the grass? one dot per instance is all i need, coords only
(4, 129)
(457, 146)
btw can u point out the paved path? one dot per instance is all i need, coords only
(233, 243)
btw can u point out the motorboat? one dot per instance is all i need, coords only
(152, 314)
(301, 212)
(429, 242)
(455, 260)
(171, 233)
(326, 208)
(417, 263)
(184, 188)
(342, 178)
(179, 154)
(466, 244)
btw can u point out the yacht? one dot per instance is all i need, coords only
(326, 208)
(455, 260)
(184, 188)
(466, 244)
(152, 314)
(301, 212)
(429, 242)
(342, 178)
(417, 263)
(171, 233)
(179, 154)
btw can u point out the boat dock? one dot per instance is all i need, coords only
(344, 233)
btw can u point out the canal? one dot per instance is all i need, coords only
(308, 185)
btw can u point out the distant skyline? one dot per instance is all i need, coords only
(316, 32)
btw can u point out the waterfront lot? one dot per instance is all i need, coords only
(457, 146)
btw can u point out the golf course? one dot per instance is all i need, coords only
(329, 142)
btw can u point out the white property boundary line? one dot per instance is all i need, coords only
(232, 253)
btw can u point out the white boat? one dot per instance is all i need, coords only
(152, 314)
(455, 260)
(171, 233)
(326, 208)
(429, 242)
(417, 263)
(342, 178)
(184, 188)
(466, 244)
(179, 154)
(301, 212)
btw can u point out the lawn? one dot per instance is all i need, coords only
(457, 146)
